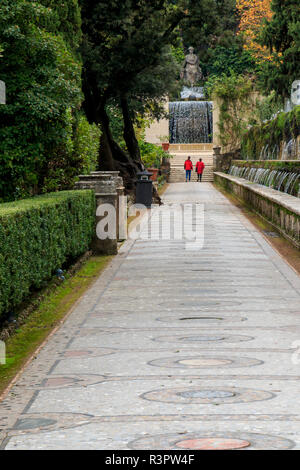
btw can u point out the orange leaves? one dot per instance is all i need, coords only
(252, 14)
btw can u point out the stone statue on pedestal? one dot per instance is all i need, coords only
(191, 71)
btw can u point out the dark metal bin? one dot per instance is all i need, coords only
(144, 189)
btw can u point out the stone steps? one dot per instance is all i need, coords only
(180, 153)
(190, 147)
(177, 175)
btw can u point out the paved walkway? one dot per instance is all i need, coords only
(172, 349)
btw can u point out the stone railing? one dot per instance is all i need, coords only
(278, 208)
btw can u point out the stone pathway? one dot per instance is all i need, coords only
(172, 349)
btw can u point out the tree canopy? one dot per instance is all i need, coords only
(211, 27)
(72, 67)
(126, 57)
(281, 35)
(43, 79)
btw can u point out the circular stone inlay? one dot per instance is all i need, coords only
(203, 319)
(204, 395)
(212, 444)
(204, 362)
(212, 441)
(201, 303)
(203, 339)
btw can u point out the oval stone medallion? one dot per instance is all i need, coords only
(213, 338)
(212, 444)
(206, 362)
(207, 395)
(212, 441)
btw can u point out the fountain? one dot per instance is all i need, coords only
(281, 180)
(191, 120)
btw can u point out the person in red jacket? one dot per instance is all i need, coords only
(199, 169)
(188, 166)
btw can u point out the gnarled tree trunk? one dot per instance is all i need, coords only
(112, 157)
(129, 133)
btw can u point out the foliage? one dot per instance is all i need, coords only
(116, 122)
(37, 236)
(266, 108)
(270, 165)
(86, 144)
(127, 37)
(227, 60)
(252, 14)
(151, 154)
(178, 53)
(283, 128)
(151, 86)
(133, 40)
(65, 20)
(234, 94)
(282, 36)
(43, 78)
(210, 27)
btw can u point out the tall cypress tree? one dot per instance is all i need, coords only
(282, 35)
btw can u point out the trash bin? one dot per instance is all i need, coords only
(144, 189)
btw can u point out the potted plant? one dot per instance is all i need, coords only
(165, 142)
(154, 172)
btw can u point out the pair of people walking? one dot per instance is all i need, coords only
(188, 166)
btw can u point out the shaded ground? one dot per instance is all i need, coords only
(172, 348)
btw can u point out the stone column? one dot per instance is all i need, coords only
(108, 187)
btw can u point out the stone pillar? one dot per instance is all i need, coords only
(166, 168)
(216, 158)
(118, 182)
(108, 187)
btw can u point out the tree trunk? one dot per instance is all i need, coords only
(106, 160)
(112, 157)
(129, 134)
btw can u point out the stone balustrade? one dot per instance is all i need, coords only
(278, 208)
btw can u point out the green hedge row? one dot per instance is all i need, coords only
(284, 127)
(37, 236)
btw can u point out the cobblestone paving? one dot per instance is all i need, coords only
(172, 348)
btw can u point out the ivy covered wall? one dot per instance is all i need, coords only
(283, 128)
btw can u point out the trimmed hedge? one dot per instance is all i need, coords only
(37, 236)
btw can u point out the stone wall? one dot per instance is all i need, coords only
(279, 209)
(155, 133)
(223, 161)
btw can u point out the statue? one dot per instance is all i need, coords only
(191, 71)
(295, 93)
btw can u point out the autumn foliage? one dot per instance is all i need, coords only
(252, 14)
